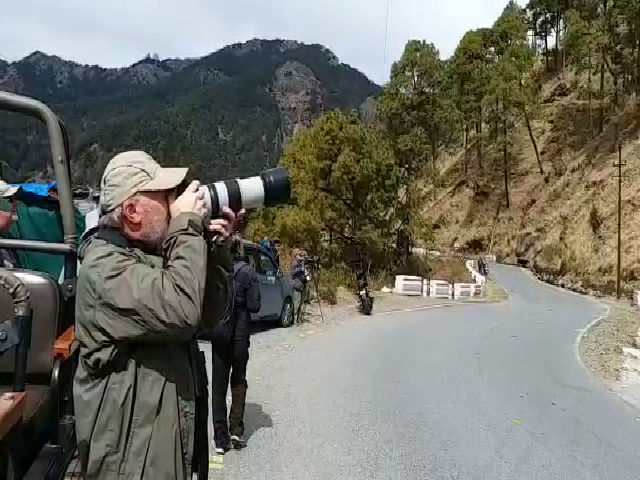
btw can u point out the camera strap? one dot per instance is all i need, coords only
(113, 236)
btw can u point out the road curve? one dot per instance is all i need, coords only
(467, 392)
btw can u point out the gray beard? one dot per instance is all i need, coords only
(155, 236)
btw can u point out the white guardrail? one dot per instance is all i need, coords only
(477, 276)
(467, 290)
(408, 285)
(415, 286)
(439, 289)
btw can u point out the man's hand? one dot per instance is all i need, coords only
(191, 201)
(224, 227)
(5, 221)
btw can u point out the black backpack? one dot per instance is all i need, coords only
(224, 330)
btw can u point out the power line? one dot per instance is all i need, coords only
(386, 34)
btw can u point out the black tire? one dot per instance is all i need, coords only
(366, 304)
(286, 316)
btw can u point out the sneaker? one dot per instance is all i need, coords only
(220, 450)
(237, 442)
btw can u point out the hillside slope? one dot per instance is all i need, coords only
(564, 222)
(225, 114)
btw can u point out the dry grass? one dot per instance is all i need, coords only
(451, 269)
(495, 293)
(601, 346)
(381, 279)
(329, 280)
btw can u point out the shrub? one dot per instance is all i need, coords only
(328, 280)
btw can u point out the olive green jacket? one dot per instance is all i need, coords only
(136, 317)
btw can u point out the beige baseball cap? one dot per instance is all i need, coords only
(131, 172)
(7, 190)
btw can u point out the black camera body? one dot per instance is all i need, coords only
(312, 262)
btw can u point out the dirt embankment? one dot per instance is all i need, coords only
(563, 222)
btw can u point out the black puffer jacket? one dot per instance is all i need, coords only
(247, 297)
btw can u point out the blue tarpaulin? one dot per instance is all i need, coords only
(39, 219)
(39, 189)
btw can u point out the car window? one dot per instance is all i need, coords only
(251, 260)
(265, 266)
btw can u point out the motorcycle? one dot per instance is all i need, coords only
(365, 296)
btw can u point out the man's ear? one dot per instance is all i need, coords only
(131, 211)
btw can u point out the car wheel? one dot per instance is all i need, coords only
(286, 317)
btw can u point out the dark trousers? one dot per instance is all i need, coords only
(200, 464)
(229, 359)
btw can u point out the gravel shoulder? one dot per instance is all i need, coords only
(601, 345)
(601, 348)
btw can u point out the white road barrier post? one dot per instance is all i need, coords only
(408, 285)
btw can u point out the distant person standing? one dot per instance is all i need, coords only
(8, 216)
(231, 355)
(299, 280)
(276, 252)
(269, 246)
(482, 267)
(266, 243)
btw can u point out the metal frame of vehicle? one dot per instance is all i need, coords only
(54, 454)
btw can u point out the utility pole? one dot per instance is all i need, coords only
(619, 165)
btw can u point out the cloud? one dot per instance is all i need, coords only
(120, 32)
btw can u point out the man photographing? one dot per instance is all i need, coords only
(139, 299)
(300, 281)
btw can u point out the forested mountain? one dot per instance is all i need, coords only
(225, 114)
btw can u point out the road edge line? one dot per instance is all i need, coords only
(590, 298)
(609, 386)
(583, 331)
(416, 309)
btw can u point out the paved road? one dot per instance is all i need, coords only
(467, 392)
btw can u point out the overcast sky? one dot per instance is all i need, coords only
(120, 32)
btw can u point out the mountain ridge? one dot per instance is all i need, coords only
(224, 114)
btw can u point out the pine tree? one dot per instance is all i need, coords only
(420, 118)
(469, 70)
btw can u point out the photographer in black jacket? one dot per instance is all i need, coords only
(299, 280)
(233, 357)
